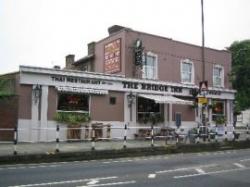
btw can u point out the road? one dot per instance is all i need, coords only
(221, 168)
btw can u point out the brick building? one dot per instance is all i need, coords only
(127, 77)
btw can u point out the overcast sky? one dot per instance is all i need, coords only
(43, 32)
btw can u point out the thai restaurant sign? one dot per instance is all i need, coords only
(112, 57)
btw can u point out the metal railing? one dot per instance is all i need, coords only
(145, 133)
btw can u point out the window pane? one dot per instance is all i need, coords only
(187, 67)
(73, 102)
(148, 68)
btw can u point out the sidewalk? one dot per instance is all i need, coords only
(67, 147)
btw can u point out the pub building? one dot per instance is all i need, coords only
(129, 77)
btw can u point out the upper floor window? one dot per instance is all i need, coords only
(218, 76)
(187, 71)
(149, 66)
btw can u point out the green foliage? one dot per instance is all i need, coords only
(220, 120)
(4, 89)
(72, 118)
(152, 118)
(240, 75)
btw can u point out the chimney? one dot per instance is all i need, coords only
(91, 48)
(56, 67)
(70, 59)
(115, 28)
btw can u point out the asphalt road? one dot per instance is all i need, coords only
(223, 168)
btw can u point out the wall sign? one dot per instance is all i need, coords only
(152, 87)
(112, 57)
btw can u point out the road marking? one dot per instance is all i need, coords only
(209, 173)
(92, 182)
(110, 184)
(185, 169)
(151, 176)
(239, 165)
(199, 170)
(65, 182)
(244, 160)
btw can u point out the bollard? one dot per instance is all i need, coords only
(225, 132)
(125, 137)
(247, 132)
(216, 134)
(15, 141)
(93, 140)
(198, 135)
(152, 135)
(57, 138)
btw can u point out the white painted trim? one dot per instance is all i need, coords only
(46, 71)
(44, 113)
(34, 116)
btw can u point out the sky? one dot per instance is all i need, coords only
(42, 32)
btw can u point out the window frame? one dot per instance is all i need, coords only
(187, 61)
(76, 111)
(221, 85)
(155, 68)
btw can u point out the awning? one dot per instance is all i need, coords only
(166, 99)
(81, 90)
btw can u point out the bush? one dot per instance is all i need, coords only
(72, 118)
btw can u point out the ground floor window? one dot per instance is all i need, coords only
(218, 110)
(73, 102)
(149, 112)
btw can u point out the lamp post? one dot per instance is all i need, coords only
(131, 99)
(37, 92)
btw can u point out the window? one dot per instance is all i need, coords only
(218, 76)
(218, 109)
(149, 66)
(112, 100)
(147, 109)
(73, 102)
(187, 72)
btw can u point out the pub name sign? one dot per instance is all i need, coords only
(151, 87)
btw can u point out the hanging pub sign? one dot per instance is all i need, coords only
(112, 57)
(138, 49)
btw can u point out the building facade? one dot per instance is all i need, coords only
(131, 78)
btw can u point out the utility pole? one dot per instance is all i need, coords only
(202, 100)
(203, 42)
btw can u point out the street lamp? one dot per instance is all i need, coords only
(131, 99)
(37, 92)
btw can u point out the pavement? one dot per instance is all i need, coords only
(221, 168)
(71, 147)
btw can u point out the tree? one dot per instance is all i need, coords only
(240, 75)
(5, 91)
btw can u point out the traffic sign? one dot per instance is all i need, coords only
(202, 100)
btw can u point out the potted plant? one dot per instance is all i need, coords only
(74, 121)
(220, 120)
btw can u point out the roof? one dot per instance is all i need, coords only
(84, 59)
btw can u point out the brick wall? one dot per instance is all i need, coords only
(8, 117)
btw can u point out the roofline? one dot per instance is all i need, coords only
(88, 57)
(126, 29)
(10, 73)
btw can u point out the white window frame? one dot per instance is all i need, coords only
(155, 56)
(221, 76)
(187, 61)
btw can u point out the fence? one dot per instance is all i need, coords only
(151, 135)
